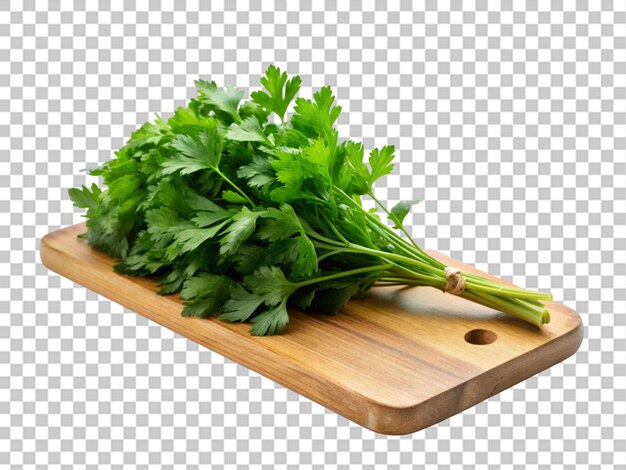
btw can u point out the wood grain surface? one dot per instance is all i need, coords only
(395, 362)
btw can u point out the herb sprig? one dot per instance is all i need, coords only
(246, 217)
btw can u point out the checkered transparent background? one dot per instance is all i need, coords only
(510, 118)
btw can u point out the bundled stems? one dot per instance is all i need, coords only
(408, 264)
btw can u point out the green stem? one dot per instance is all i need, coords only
(235, 187)
(328, 255)
(514, 293)
(388, 256)
(495, 288)
(334, 229)
(502, 288)
(390, 234)
(330, 277)
(383, 207)
(413, 266)
(473, 282)
(407, 248)
(424, 279)
(401, 280)
(333, 244)
(395, 257)
(488, 300)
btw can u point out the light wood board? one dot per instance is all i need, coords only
(394, 362)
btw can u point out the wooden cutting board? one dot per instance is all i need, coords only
(395, 362)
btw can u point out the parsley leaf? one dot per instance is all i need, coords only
(258, 173)
(224, 101)
(233, 197)
(400, 211)
(279, 223)
(315, 118)
(191, 238)
(204, 294)
(270, 283)
(241, 305)
(280, 91)
(354, 175)
(271, 322)
(380, 163)
(244, 223)
(205, 218)
(195, 154)
(248, 131)
(84, 197)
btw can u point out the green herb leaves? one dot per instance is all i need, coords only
(248, 131)
(205, 293)
(195, 154)
(380, 163)
(400, 211)
(222, 101)
(85, 198)
(246, 218)
(279, 91)
(243, 225)
(317, 117)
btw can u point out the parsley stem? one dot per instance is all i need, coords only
(375, 223)
(473, 282)
(386, 233)
(409, 249)
(401, 280)
(533, 312)
(512, 290)
(328, 255)
(388, 256)
(352, 272)
(396, 257)
(423, 279)
(505, 305)
(333, 243)
(334, 229)
(235, 187)
(500, 289)
(494, 288)
(383, 207)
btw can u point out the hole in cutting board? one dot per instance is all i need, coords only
(480, 336)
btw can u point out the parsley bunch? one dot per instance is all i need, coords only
(247, 217)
